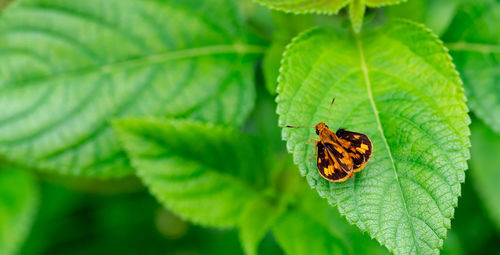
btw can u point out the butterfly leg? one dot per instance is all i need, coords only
(316, 147)
(312, 139)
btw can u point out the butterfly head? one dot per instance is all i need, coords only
(320, 126)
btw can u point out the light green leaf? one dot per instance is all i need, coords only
(320, 6)
(474, 40)
(299, 234)
(18, 203)
(485, 164)
(180, 162)
(256, 220)
(98, 60)
(397, 85)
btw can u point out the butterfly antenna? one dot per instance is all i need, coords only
(288, 126)
(329, 108)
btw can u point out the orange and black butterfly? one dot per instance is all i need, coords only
(341, 153)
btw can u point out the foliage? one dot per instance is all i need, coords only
(150, 126)
(58, 97)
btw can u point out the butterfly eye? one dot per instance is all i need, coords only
(317, 131)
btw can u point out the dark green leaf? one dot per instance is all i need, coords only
(256, 220)
(435, 14)
(485, 165)
(299, 234)
(474, 40)
(271, 65)
(98, 60)
(397, 85)
(19, 200)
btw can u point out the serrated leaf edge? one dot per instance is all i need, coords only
(301, 12)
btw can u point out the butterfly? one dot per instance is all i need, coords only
(341, 153)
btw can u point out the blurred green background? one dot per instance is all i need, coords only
(57, 214)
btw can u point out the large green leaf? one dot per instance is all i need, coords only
(485, 165)
(204, 173)
(69, 66)
(474, 40)
(397, 85)
(18, 203)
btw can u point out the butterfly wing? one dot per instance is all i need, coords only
(338, 153)
(328, 166)
(358, 146)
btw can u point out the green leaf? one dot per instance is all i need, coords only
(485, 172)
(94, 61)
(18, 203)
(328, 7)
(474, 40)
(204, 173)
(271, 65)
(256, 220)
(300, 234)
(397, 85)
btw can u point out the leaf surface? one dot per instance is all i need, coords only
(397, 85)
(206, 174)
(19, 200)
(99, 60)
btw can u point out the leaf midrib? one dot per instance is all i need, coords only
(237, 48)
(364, 68)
